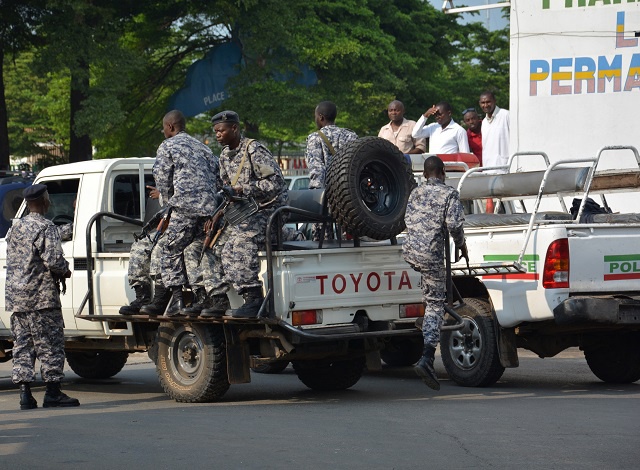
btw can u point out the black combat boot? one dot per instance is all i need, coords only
(424, 368)
(176, 304)
(54, 397)
(27, 402)
(160, 300)
(252, 302)
(200, 301)
(143, 297)
(219, 305)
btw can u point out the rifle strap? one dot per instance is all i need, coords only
(242, 160)
(322, 135)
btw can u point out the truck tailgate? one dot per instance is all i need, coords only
(604, 258)
(344, 281)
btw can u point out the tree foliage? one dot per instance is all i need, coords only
(123, 59)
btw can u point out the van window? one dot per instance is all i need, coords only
(126, 194)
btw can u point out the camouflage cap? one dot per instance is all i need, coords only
(33, 192)
(225, 116)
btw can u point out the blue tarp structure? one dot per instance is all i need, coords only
(10, 199)
(205, 86)
(206, 82)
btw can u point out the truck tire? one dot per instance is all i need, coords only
(271, 368)
(329, 375)
(192, 362)
(368, 184)
(96, 364)
(618, 361)
(402, 352)
(470, 355)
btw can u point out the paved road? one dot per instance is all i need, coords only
(550, 413)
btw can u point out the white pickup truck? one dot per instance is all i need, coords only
(331, 308)
(563, 282)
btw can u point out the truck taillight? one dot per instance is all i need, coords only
(411, 310)
(556, 265)
(306, 317)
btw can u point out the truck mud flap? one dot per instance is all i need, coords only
(238, 370)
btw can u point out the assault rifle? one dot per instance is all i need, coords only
(160, 221)
(232, 209)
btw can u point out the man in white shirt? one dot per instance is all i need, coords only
(398, 131)
(495, 132)
(445, 135)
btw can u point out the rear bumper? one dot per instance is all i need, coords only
(347, 332)
(605, 310)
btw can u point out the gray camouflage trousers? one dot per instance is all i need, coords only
(200, 273)
(183, 229)
(40, 335)
(433, 287)
(144, 263)
(235, 257)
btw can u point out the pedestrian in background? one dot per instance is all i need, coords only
(495, 132)
(398, 131)
(474, 131)
(445, 135)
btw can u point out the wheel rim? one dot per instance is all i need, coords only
(378, 188)
(465, 346)
(186, 355)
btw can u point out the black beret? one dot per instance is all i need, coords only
(225, 116)
(33, 192)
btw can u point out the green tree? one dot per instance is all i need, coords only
(18, 20)
(364, 52)
(124, 59)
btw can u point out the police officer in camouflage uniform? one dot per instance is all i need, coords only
(250, 169)
(432, 209)
(319, 152)
(322, 145)
(185, 172)
(35, 269)
(143, 256)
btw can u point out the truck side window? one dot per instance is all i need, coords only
(62, 194)
(126, 194)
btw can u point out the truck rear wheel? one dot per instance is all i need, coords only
(470, 355)
(192, 362)
(368, 185)
(328, 375)
(96, 364)
(616, 361)
(402, 352)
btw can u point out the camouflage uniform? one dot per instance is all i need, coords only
(261, 179)
(432, 208)
(34, 262)
(185, 172)
(199, 272)
(144, 260)
(318, 155)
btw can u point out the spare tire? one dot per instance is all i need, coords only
(368, 184)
